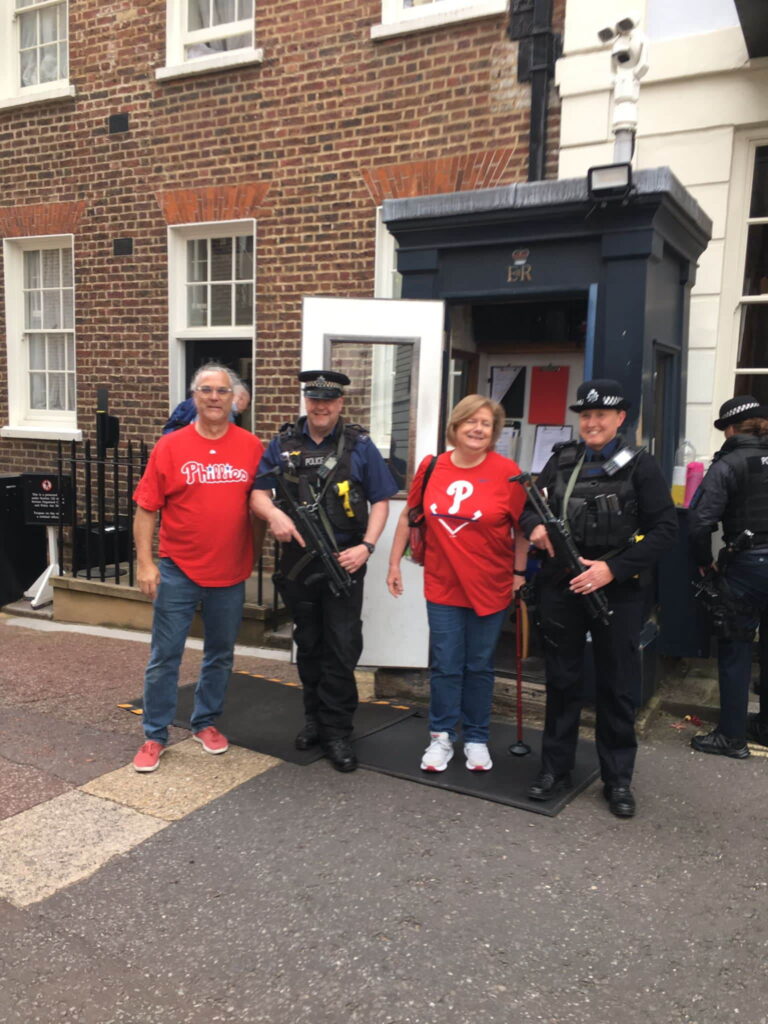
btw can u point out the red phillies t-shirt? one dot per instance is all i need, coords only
(202, 487)
(470, 513)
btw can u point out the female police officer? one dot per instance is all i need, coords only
(620, 515)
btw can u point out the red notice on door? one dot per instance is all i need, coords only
(549, 392)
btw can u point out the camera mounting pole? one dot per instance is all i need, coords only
(629, 62)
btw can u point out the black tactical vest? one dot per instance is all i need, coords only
(328, 469)
(748, 509)
(602, 513)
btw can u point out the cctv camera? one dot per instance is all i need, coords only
(627, 23)
(626, 51)
(605, 35)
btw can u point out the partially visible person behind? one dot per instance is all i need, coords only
(734, 492)
(200, 477)
(186, 411)
(475, 560)
(620, 515)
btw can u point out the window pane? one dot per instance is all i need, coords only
(198, 15)
(63, 60)
(36, 352)
(753, 384)
(221, 304)
(221, 259)
(51, 277)
(31, 269)
(37, 390)
(52, 310)
(70, 391)
(244, 258)
(223, 11)
(56, 353)
(245, 9)
(197, 305)
(197, 260)
(49, 25)
(66, 268)
(70, 352)
(32, 312)
(49, 63)
(243, 304)
(756, 263)
(28, 67)
(57, 391)
(28, 30)
(67, 308)
(759, 205)
(753, 344)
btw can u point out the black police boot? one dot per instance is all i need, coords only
(546, 785)
(757, 729)
(340, 753)
(308, 737)
(621, 801)
(716, 742)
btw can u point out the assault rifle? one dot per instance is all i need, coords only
(566, 554)
(312, 523)
(725, 610)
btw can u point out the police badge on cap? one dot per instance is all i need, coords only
(742, 407)
(325, 384)
(600, 394)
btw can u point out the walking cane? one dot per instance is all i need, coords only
(519, 748)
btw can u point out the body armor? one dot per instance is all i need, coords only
(602, 512)
(328, 470)
(748, 509)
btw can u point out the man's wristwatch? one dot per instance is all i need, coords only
(367, 544)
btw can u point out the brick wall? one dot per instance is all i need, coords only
(300, 139)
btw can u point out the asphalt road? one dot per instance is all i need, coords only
(267, 892)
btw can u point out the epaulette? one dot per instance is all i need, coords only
(564, 444)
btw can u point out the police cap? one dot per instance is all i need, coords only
(741, 407)
(324, 384)
(600, 394)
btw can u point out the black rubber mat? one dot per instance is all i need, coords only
(397, 751)
(265, 714)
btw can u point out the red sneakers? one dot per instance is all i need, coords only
(148, 757)
(212, 740)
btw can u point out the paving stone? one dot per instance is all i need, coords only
(22, 786)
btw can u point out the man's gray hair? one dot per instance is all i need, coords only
(213, 368)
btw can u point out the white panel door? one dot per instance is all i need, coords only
(392, 351)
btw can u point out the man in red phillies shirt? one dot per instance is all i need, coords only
(200, 477)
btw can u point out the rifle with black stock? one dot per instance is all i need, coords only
(308, 518)
(565, 550)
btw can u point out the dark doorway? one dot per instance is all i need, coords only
(236, 354)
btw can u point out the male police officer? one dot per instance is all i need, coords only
(346, 472)
(620, 516)
(735, 492)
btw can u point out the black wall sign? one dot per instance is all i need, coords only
(42, 500)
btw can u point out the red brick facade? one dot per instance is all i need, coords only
(307, 142)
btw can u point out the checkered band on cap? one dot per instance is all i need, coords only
(743, 408)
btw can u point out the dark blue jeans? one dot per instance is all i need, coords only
(747, 576)
(221, 610)
(462, 646)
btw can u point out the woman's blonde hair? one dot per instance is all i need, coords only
(467, 408)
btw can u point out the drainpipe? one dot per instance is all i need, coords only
(539, 47)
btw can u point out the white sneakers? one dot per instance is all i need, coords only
(440, 751)
(478, 758)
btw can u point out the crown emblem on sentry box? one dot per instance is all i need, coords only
(520, 256)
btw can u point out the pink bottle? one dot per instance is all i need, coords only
(694, 474)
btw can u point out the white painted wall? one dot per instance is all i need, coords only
(703, 108)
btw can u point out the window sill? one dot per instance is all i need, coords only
(43, 433)
(479, 9)
(205, 65)
(48, 95)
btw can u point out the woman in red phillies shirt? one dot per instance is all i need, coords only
(475, 560)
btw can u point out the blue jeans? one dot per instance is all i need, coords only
(221, 608)
(747, 576)
(462, 646)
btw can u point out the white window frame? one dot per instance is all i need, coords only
(177, 37)
(178, 332)
(44, 424)
(397, 19)
(12, 93)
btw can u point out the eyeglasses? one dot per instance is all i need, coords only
(221, 392)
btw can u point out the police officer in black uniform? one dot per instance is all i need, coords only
(347, 473)
(734, 492)
(620, 515)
